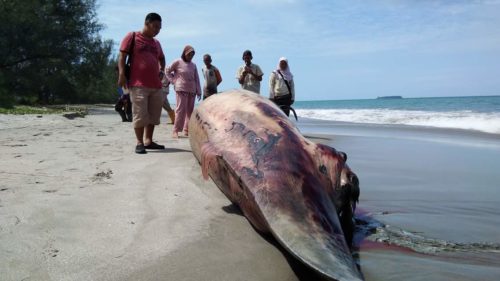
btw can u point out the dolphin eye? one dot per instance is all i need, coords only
(353, 179)
(322, 169)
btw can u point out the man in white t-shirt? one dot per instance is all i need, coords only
(249, 75)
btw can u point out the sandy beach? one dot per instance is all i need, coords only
(76, 203)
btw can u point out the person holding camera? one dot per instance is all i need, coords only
(249, 75)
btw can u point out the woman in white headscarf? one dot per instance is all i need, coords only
(281, 86)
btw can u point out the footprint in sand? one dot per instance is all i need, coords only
(50, 250)
(15, 145)
(101, 134)
(50, 191)
(101, 176)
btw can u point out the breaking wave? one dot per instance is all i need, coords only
(488, 122)
(376, 231)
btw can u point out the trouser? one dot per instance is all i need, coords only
(207, 92)
(184, 109)
(124, 107)
(284, 102)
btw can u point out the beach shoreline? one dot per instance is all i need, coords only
(77, 203)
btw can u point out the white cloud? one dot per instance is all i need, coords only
(356, 27)
(320, 33)
(347, 27)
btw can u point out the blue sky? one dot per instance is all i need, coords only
(347, 49)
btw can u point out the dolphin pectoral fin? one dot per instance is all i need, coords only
(214, 166)
(323, 252)
(223, 175)
(208, 158)
(223, 165)
(231, 184)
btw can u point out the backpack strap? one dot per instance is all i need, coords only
(131, 50)
(286, 82)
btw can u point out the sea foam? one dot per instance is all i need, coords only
(467, 120)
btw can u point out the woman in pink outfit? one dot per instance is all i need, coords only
(183, 74)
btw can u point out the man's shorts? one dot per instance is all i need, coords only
(146, 106)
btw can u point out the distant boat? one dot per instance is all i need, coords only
(389, 97)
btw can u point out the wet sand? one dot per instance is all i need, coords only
(77, 204)
(437, 193)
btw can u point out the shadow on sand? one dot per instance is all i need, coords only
(168, 150)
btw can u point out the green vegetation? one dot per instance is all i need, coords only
(51, 53)
(24, 109)
(29, 110)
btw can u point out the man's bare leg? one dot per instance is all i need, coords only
(139, 134)
(148, 140)
(149, 134)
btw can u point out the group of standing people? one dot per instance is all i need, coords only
(143, 73)
(183, 74)
(281, 86)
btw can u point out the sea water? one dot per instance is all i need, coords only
(432, 192)
(478, 113)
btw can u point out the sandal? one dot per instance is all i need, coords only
(154, 145)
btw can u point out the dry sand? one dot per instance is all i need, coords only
(76, 203)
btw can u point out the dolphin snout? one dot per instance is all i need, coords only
(343, 155)
(354, 189)
(346, 205)
(349, 185)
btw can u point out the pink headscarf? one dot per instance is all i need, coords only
(188, 49)
(286, 73)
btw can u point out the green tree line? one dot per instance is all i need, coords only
(51, 53)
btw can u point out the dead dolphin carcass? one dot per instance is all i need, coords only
(302, 193)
